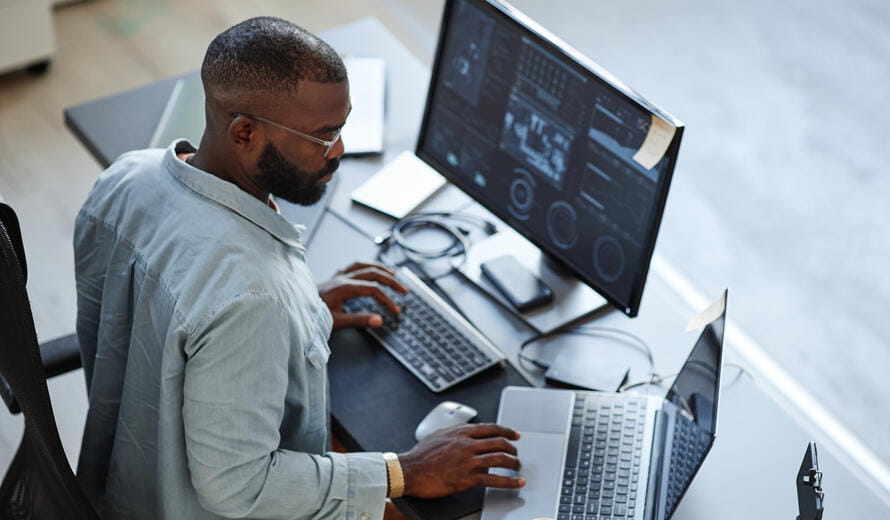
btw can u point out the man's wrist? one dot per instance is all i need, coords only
(395, 478)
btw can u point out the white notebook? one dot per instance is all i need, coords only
(363, 133)
(398, 188)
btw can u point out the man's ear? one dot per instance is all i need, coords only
(247, 142)
(244, 134)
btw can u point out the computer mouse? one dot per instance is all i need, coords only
(444, 415)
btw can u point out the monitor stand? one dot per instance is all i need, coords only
(573, 299)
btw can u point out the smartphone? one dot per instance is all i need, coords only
(518, 285)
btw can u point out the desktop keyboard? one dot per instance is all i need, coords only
(689, 443)
(602, 466)
(429, 338)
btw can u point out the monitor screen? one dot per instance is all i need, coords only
(550, 143)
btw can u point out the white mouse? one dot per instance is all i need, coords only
(444, 415)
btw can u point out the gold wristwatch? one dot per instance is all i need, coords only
(394, 476)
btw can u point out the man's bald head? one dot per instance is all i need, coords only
(267, 56)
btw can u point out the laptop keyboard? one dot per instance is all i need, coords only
(602, 465)
(434, 343)
(689, 445)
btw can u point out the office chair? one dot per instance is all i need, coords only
(39, 483)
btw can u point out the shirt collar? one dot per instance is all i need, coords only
(223, 192)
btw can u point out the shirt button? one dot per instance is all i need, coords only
(365, 516)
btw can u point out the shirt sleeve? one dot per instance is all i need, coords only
(236, 379)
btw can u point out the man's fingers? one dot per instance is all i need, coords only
(496, 460)
(366, 265)
(481, 431)
(494, 444)
(383, 277)
(498, 481)
(357, 319)
(381, 297)
(364, 288)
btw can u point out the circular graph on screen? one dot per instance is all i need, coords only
(608, 258)
(562, 224)
(522, 194)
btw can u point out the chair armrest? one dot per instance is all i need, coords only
(59, 356)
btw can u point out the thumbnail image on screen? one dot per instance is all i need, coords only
(546, 144)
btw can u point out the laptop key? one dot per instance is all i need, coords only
(574, 442)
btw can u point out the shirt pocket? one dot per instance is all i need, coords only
(317, 353)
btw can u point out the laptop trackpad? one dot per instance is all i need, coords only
(542, 456)
(536, 410)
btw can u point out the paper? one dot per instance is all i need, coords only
(398, 188)
(656, 143)
(714, 311)
(363, 132)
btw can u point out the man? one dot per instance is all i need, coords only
(203, 337)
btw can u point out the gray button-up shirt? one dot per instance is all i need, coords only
(204, 344)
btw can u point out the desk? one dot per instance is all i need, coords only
(760, 441)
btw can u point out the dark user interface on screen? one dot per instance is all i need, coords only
(546, 145)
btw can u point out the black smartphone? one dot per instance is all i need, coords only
(520, 287)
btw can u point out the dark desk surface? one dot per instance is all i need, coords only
(760, 441)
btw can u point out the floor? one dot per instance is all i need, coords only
(780, 191)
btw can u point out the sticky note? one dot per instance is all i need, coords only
(660, 135)
(708, 315)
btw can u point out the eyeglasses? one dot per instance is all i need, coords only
(327, 144)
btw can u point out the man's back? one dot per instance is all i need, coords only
(204, 345)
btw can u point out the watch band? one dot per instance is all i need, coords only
(394, 476)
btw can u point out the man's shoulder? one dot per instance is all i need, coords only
(136, 162)
(126, 172)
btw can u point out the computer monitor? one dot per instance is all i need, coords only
(551, 143)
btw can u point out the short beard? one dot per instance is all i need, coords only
(286, 181)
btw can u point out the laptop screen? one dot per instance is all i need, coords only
(696, 387)
(694, 392)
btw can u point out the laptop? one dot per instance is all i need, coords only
(612, 456)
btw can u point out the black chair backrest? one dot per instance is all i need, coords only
(39, 483)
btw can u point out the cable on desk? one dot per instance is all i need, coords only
(399, 233)
(656, 379)
(593, 331)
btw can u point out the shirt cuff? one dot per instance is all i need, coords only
(364, 488)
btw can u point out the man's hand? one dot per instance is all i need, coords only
(359, 280)
(455, 459)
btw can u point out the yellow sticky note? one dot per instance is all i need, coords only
(708, 315)
(656, 143)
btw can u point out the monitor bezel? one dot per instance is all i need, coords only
(597, 73)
